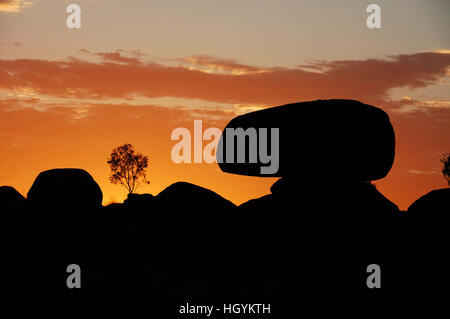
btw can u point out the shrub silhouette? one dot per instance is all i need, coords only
(127, 167)
(445, 160)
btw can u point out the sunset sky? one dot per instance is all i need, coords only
(136, 70)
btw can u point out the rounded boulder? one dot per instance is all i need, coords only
(65, 187)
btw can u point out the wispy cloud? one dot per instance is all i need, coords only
(15, 5)
(16, 44)
(367, 80)
(407, 104)
(419, 172)
(116, 56)
(209, 64)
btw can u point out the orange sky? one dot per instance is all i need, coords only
(72, 110)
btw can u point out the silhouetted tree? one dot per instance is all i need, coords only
(127, 168)
(445, 160)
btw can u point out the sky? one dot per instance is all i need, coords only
(136, 70)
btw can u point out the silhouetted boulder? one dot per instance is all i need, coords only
(350, 222)
(139, 201)
(12, 234)
(10, 199)
(434, 205)
(66, 187)
(427, 221)
(113, 207)
(426, 237)
(192, 198)
(12, 207)
(355, 140)
(68, 224)
(358, 200)
(189, 220)
(188, 208)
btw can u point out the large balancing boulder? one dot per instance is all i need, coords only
(347, 139)
(65, 188)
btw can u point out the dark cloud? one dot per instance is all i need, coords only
(367, 80)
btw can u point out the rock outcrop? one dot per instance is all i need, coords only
(11, 199)
(65, 188)
(139, 201)
(432, 206)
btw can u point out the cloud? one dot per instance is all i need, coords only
(447, 51)
(16, 44)
(136, 52)
(368, 80)
(419, 172)
(80, 109)
(15, 5)
(117, 56)
(208, 64)
(407, 104)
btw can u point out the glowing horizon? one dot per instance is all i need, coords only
(136, 71)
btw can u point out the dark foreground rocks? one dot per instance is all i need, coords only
(285, 246)
(428, 239)
(323, 211)
(12, 232)
(310, 237)
(433, 206)
(10, 199)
